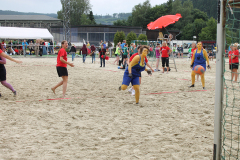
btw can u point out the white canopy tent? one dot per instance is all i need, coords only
(25, 33)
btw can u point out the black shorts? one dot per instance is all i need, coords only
(233, 66)
(125, 56)
(210, 55)
(62, 71)
(165, 60)
(140, 74)
(2, 74)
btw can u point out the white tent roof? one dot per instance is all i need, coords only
(24, 33)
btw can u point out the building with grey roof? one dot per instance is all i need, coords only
(31, 21)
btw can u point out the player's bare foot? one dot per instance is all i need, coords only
(53, 90)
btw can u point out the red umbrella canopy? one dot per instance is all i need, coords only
(164, 21)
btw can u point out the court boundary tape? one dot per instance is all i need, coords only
(69, 98)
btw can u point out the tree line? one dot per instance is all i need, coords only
(194, 22)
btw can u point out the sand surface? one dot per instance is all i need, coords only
(96, 121)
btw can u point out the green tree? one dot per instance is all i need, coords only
(91, 18)
(131, 36)
(118, 37)
(198, 24)
(84, 20)
(197, 14)
(142, 37)
(169, 6)
(188, 32)
(139, 14)
(209, 32)
(120, 22)
(156, 12)
(206, 6)
(77, 8)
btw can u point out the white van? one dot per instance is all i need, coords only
(186, 44)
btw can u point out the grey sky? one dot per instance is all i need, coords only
(52, 6)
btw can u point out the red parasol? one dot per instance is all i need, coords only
(164, 21)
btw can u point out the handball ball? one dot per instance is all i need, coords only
(151, 49)
(199, 69)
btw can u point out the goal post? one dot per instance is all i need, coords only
(219, 89)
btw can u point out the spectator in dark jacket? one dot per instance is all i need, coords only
(102, 52)
(73, 51)
(93, 48)
(84, 52)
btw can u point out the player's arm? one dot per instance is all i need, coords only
(193, 57)
(206, 56)
(149, 67)
(10, 58)
(135, 60)
(169, 51)
(63, 61)
(3, 60)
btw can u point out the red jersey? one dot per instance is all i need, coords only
(234, 60)
(131, 58)
(1, 51)
(62, 53)
(165, 51)
(192, 51)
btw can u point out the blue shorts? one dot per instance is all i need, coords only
(127, 80)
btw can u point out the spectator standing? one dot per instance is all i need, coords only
(84, 52)
(104, 45)
(102, 52)
(125, 54)
(88, 45)
(181, 49)
(165, 51)
(117, 54)
(30, 47)
(24, 47)
(44, 49)
(122, 46)
(174, 50)
(93, 48)
(73, 51)
(3, 44)
(157, 57)
(131, 50)
(234, 61)
(51, 50)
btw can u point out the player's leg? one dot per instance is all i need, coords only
(137, 93)
(232, 74)
(193, 78)
(203, 81)
(124, 87)
(127, 61)
(167, 64)
(4, 82)
(65, 80)
(7, 85)
(126, 82)
(163, 63)
(157, 63)
(235, 74)
(55, 87)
